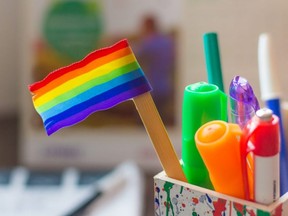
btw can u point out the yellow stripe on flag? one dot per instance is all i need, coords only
(100, 71)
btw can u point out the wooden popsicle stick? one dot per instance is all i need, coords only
(159, 136)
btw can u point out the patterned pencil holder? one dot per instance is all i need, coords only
(176, 198)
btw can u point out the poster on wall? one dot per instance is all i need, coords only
(61, 32)
(69, 30)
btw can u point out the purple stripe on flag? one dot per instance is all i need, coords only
(97, 107)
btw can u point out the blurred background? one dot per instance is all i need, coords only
(37, 37)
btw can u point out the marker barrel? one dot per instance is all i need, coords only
(266, 179)
(261, 136)
(266, 157)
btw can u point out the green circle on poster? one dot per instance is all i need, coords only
(73, 28)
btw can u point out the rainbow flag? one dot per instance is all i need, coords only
(103, 79)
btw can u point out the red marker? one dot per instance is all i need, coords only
(261, 136)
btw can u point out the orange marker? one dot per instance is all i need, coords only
(219, 146)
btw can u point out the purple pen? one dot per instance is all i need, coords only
(243, 102)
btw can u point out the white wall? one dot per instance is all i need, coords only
(8, 57)
(238, 23)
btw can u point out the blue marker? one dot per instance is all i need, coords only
(271, 93)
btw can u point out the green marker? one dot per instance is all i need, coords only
(202, 103)
(213, 62)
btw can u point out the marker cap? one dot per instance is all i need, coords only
(264, 144)
(243, 102)
(213, 61)
(268, 72)
(202, 102)
(218, 144)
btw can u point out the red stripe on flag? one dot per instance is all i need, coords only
(89, 58)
